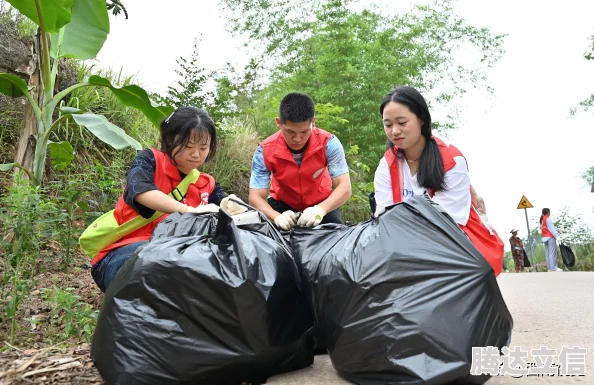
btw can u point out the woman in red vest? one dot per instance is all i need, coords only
(416, 162)
(549, 237)
(188, 139)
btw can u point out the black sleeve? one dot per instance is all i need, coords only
(217, 195)
(141, 178)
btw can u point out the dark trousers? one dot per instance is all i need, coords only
(334, 216)
(106, 269)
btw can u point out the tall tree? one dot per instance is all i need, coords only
(190, 89)
(350, 59)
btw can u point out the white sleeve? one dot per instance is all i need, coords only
(456, 199)
(382, 184)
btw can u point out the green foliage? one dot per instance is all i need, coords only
(508, 261)
(102, 101)
(61, 154)
(69, 200)
(583, 106)
(69, 316)
(232, 164)
(589, 55)
(573, 230)
(81, 28)
(107, 132)
(357, 208)
(136, 97)
(116, 7)
(588, 176)
(54, 13)
(104, 185)
(352, 59)
(587, 103)
(84, 35)
(190, 89)
(15, 23)
(12, 86)
(21, 222)
(240, 94)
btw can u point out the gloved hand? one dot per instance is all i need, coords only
(209, 208)
(232, 208)
(286, 220)
(312, 216)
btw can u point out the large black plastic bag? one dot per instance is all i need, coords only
(567, 255)
(402, 299)
(204, 309)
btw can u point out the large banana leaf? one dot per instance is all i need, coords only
(106, 131)
(61, 153)
(55, 13)
(135, 97)
(84, 36)
(12, 86)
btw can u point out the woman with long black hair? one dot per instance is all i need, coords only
(416, 162)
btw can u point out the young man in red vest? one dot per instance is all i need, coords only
(295, 169)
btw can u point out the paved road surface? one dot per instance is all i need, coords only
(549, 309)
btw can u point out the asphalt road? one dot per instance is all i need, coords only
(549, 309)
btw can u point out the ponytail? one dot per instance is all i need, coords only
(545, 211)
(431, 173)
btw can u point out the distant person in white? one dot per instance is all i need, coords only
(549, 237)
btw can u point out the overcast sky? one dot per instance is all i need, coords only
(520, 141)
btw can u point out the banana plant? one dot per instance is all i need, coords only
(72, 29)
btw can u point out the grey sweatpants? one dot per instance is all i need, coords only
(551, 249)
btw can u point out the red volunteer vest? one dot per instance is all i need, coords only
(298, 187)
(166, 178)
(544, 229)
(489, 245)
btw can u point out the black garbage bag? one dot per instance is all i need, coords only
(567, 255)
(402, 299)
(526, 260)
(208, 307)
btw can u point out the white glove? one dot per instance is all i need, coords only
(312, 216)
(209, 208)
(286, 220)
(232, 208)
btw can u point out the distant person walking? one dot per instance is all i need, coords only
(549, 237)
(517, 249)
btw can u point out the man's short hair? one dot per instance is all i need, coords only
(297, 107)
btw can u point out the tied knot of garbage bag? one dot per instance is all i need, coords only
(205, 302)
(402, 298)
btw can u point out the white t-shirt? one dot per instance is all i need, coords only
(456, 199)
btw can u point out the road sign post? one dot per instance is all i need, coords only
(525, 204)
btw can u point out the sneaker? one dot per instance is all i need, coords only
(559, 269)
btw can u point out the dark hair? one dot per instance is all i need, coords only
(178, 128)
(431, 174)
(297, 107)
(545, 211)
